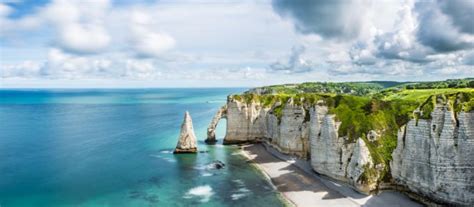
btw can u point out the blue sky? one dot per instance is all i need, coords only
(208, 43)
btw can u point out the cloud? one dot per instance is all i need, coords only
(68, 66)
(330, 19)
(468, 58)
(295, 63)
(62, 65)
(26, 69)
(192, 41)
(141, 69)
(145, 41)
(361, 54)
(444, 26)
(79, 24)
(461, 13)
(9, 26)
(401, 43)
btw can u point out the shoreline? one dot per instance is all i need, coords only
(288, 202)
(299, 186)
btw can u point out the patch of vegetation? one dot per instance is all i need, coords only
(354, 88)
(469, 106)
(360, 88)
(450, 83)
(369, 175)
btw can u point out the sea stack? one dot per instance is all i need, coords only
(187, 142)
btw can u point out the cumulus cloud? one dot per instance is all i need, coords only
(330, 19)
(446, 26)
(362, 54)
(461, 13)
(84, 27)
(352, 39)
(79, 24)
(145, 41)
(410, 41)
(401, 43)
(295, 63)
(63, 65)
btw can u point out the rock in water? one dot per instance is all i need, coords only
(187, 142)
(216, 164)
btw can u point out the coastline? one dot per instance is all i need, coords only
(286, 201)
(300, 186)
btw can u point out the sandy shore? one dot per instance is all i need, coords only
(302, 187)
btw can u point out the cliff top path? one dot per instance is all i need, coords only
(305, 188)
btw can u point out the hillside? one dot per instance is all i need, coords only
(360, 88)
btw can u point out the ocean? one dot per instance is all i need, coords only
(113, 147)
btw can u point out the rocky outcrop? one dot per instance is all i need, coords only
(299, 130)
(245, 121)
(211, 134)
(187, 142)
(435, 157)
(252, 122)
(290, 132)
(337, 158)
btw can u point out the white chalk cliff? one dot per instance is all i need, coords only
(187, 142)
(433, 158)
(301, 132)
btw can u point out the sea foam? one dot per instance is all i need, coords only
(204, 192)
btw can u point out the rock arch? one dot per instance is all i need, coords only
(211, 134)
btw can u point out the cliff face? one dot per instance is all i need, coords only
(248, 122)
(435, 158)
(245, 122)
(335, 156)
(304, 131)
(290, 132)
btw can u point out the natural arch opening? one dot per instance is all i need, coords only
(214, 126)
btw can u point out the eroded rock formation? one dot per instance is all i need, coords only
(335, 156)
(245, 122)
(187, 142)
(435, 158)
(299, 130)
(211, 134)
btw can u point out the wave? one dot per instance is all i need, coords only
(203, 192)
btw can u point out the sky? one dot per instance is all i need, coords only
(232, 43)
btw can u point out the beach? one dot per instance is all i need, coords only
(301, 187)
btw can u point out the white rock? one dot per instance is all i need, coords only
(435, 157)
(187, 142)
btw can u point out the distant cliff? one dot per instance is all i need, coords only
(367, 142)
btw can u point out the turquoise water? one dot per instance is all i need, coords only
(113, 148)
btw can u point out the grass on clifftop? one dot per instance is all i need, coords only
(360, 88)
(383, 112)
